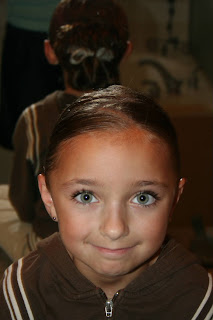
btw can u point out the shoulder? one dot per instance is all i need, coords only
(15, 293)
(30, 114)
(180, 286)
(28, 280)
(43, 106)
(187, 282)
(49, 99)
(35, 125)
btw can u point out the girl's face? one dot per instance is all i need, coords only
(113, 195)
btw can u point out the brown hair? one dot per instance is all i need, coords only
(113, 108)
(89, 38)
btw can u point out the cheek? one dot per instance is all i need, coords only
(153, 227)
(74, 227)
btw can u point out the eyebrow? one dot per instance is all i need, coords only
(95, 183)
(144, 183)
(87, 182)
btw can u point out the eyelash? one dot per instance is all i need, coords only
(150, 193)
(147, 192)
(77, 193)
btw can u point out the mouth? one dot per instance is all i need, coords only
(113, 252)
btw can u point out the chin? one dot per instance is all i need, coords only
(113, 275)
(113, 271)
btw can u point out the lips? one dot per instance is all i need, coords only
(118, 251)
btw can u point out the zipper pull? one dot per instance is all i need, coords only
(108, 308)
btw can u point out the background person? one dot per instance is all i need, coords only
(88, 39)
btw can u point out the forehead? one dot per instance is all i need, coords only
(115, 159)
(114, 137)
(114, 141)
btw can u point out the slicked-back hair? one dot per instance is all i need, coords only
(115, 108)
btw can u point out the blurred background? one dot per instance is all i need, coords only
(172, 62)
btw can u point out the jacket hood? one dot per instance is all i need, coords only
(63, 269)
(166, 266)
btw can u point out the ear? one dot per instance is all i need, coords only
(181, 185)
(46, 197)
(179, 191)
(128, 51)
(50, 53)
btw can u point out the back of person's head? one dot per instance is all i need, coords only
(89, 38)
(113, 109)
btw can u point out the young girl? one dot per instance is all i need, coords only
(88, 39)
(111, 182)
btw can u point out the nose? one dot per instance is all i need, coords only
(114, 224)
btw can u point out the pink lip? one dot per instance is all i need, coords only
(113, 251)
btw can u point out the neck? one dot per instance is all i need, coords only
(73, 92)
(70, 90)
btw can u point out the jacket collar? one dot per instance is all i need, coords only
(166, 266)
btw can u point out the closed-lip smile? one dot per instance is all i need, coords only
(118, 251)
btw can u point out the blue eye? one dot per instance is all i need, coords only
(144, 198)
(85, 197)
